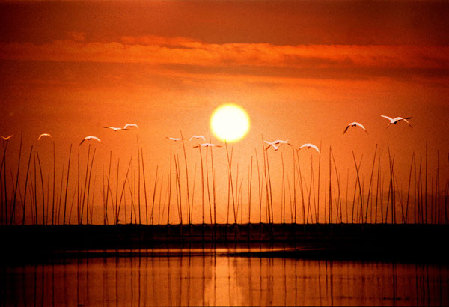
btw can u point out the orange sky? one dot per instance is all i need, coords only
(301, 69)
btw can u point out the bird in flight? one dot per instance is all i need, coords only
(354, 124)
(308, 145)
(279, 142)
(115, 128)
(130, 125)
(90, 137)
(197, 137)
(43, 135)
(207, 145)
(173, 139)
(271, 144)
(396, 120)
(276, 144)
(6, 138)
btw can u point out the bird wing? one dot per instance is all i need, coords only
(42, 135)
(346, 129)
(197, 137)
(130, 125)
(361, 126)
(315, 147)
(387, 117)
(406, 120)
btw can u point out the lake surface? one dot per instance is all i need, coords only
(219, 279)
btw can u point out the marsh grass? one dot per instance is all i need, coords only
(288, 188)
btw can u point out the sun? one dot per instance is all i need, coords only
(229, 122)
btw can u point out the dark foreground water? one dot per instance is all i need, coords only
(220, 279)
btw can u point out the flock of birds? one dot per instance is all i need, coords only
(277, 143)
(87, 138)
(273, 144)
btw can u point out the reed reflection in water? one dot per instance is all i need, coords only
(222, 280)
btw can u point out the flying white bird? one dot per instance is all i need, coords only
(279, 142)
(130, 125)
(308, 145)
(173, 139)
(6, 138)
(115, 128)
(396, 120)
(43, 135)
(276, 144)
(198, 137)
(271, 144)
(90, 137)
(207, 145)
(354, 124)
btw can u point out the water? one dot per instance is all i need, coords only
(221, 280)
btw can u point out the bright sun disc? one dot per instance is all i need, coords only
(229, 123)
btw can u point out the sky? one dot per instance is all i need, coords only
(301, 69)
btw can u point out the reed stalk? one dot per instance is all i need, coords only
(283, 191)
(117, 201)
(61, 184)
(89, 185)
(368, 198)
(179, 190)
(144, 186)
(377, 190)
(408, 190)
(169, 195)
(437, 187)
(82, 201)
(260, 187)
(294, 184)
(346, 196)
(106, 197)
(187, 179)
(319, 187)
(208, 190)
(35, 191)
(392, 190)
(13, 211)
(250, 178)
(193, 193)
(5, 190)
(153, 196)
(159, 219)
(202, 185)
(302, 193)
(42, 189)
(357, 169)
(122, 194)
(138, 186)
(330, 186)
(54, 185)
(67, 184)
(425, 193)
(214, 191)
(337, 176)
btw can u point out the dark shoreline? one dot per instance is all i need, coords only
(381, 242)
